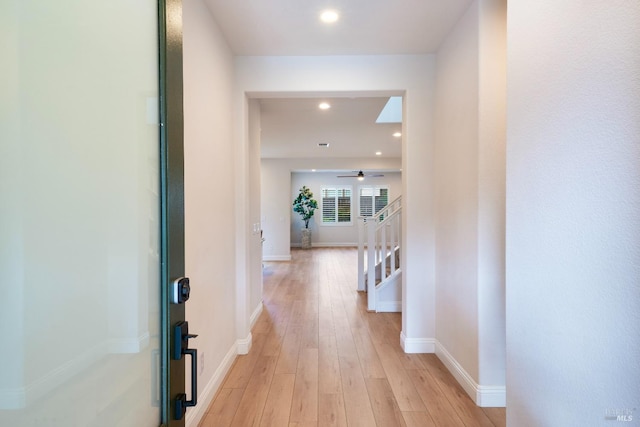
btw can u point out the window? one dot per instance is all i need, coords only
(372, 199)
(336, 205)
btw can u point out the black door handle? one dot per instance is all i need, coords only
(180, 347)
(181, 400)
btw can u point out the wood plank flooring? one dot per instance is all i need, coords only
(320, 359)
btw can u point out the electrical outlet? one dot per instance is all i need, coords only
(201, 363)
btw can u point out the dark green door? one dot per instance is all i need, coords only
(177, 349)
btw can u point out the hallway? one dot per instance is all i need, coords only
(320, 359)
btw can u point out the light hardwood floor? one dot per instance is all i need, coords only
(320, 359)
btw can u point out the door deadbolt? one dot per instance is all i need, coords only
(180, 290)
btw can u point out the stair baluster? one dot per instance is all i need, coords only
(381, 236)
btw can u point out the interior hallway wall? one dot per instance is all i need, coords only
(209, 198)
(573, 212)
(470, 134)
(276, 209)
(255, 243)
(457, 193)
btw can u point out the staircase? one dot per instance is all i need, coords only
(379, 247)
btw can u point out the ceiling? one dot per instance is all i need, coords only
(294, 127)
(365, 27)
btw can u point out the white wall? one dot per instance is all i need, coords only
(275, 212)
(209, 198)
(334, 235)
(255, 244)
(470, 164)
(492, 136)
(457, 192)
(410, 75)
(573, 223)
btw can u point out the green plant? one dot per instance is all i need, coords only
(305, 205)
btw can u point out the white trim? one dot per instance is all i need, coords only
(489, 396)
(268, 258)
(417, 345)
(195, 415)
(327, 245)
(336, 224)
(483, 396)
(254, 316)
(465, 380)
(492, 396)
(390, 280)
(244, 345)
(389, 306)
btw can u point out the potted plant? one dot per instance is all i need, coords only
(305, 205)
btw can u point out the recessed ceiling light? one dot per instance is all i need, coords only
(324, 106)
(397, 134)
(313, 170)
(378, 153)
(329, 16)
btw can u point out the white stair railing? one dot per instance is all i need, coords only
(381, 236)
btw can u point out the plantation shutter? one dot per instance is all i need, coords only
(372, 200)
(366, 202)
(328, 205)
(336, 205)
(344, 205)
(381, 198)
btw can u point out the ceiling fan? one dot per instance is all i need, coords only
(360, 175)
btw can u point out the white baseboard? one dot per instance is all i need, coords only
(389, 306)
(195, 415)
(244, 345)
(483, 396)
(208, 393)
(254, 316)
(268, 258)
(491, 396)
(417, 345)
(327, 245)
